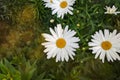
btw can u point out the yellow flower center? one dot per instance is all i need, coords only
(106, 45)
(63, 4)
(51, 1)
(60, 43)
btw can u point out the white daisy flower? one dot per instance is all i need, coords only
(62, 7)
(111, 10)
(48, 3)
(61, 43)
(106, 44)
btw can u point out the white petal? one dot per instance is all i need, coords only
(48, 37)
(108, 56)
(102, 56)
(66, 29)
(98, 53)
(58, 56)
(101, 35)
(59, 30)
(53, 33)
(65, 55)
(70, 53)
(106, 32)
(49, 54)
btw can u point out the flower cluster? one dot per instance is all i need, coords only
(62, 43)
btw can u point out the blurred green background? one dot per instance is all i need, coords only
(21, 53)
